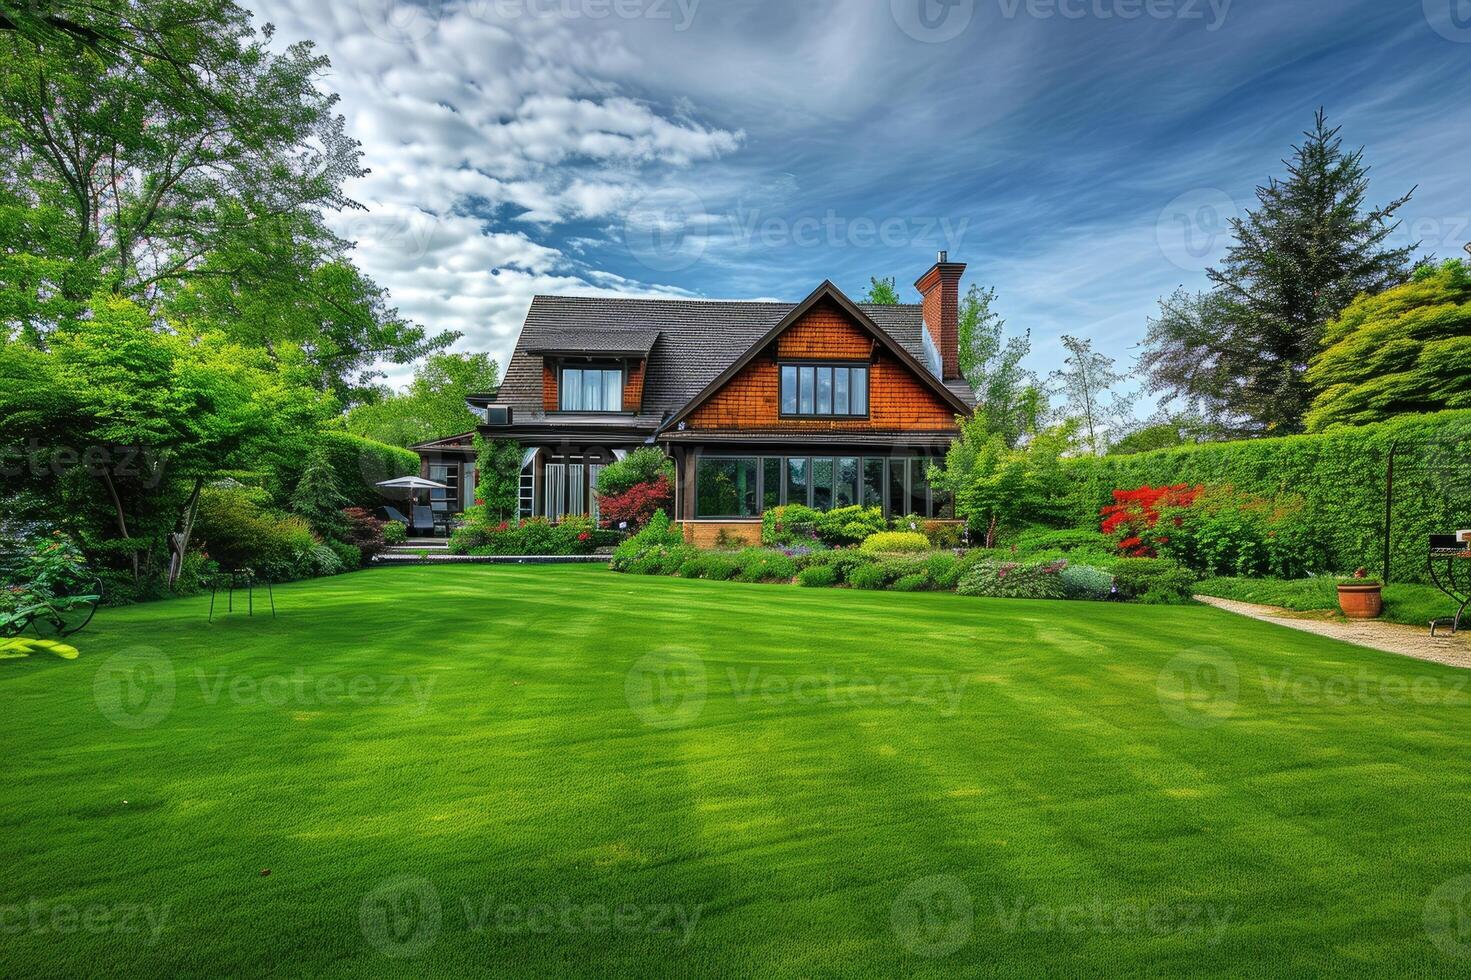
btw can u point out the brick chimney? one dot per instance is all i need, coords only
(940, 287)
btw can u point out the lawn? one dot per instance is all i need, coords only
(521, 771)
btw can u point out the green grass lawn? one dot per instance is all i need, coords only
(546, 771)
(1410, 605)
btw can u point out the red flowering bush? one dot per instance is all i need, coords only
(1134, 516)
(637, 504)
(1215, 530)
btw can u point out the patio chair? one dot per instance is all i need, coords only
(424, 519)
(394, 514)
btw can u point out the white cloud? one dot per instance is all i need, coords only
(483, 134)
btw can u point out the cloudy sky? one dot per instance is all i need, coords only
(1081, 155)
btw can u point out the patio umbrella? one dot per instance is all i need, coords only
(411, 485)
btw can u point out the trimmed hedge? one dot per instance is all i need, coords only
(1340, 475)
(360, 463)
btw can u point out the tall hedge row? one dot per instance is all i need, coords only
(1340, 475)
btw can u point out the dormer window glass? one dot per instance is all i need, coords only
(835, 390)
(591, 389)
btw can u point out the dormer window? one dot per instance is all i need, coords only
(597, 388)
(834, 389)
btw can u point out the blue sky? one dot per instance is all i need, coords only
(1081, 155)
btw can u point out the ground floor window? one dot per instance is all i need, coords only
(744, 486)
(447, 500)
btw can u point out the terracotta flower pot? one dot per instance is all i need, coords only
(1361, 600)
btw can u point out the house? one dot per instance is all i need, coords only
(825, 402)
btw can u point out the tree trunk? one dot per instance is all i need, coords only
(179, 542)
(122, 520)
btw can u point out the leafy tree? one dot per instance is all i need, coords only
(1313, 244)
(1163, 431)
(498, 477)
(1008, 396)
(123, 423)
(881, 292)
(1408, 349)
(997, 487)
(434, 405)
(1086, 382)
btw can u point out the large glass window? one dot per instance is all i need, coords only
(726, 487)
(919, 486)
(771, 478)
(798, 471)
(822, 484)
(591, 390)
(828, 389)
(873, 482)
(898, 494)
(845, 484)
(789, 389)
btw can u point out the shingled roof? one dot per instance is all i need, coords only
(693, 342)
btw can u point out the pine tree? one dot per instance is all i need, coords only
(318, 498)
(1311, 246)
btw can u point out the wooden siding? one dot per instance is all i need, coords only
(897, 400)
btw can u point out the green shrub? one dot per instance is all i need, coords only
(644, 465)
(234, 530)
(395, 533)
(818, 577)
(481, 535)
(841, 560)
(942, 571)
(895, 541)
(910, 583)
(849, 525)
(765, 565)
(870, 576)
(1086, 582)
(663, 559)
(658, 535)
(712, 565)
(1155, 581)
(1037, 539)
(357, 463)
(1013, 580)
(796, 524)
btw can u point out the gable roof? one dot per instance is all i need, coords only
(826, 291)
(696, 341)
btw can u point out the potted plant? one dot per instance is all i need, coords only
(1359, 597)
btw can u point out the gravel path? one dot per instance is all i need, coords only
(1409, 641)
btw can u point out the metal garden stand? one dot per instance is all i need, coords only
(234, 580)
(1450, 570)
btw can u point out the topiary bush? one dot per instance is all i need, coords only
(818, 577)
(894, 541)
(1013, 580)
